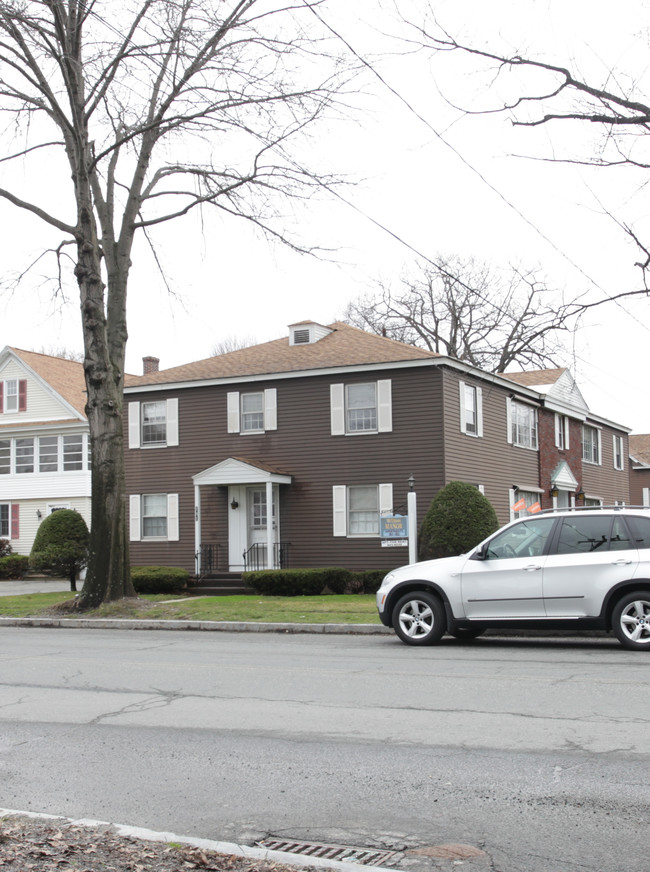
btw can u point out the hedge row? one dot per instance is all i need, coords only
(14, 566)
(159, 579)
(313, 582)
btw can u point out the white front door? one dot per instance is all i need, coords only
(260, 534)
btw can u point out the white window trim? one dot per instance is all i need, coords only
(599, 434)
(135, 426)
(510, 440)
(338, 417)
(618, 439)
(340, 509)
(135, 520)
(233, 411)
(479, 410)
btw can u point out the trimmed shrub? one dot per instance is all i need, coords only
(14, 566)
(367, 581)
(61, 545)
(459, 518)
(5, 547)
(298, 582)
(159, 579)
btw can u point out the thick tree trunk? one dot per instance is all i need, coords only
(108, 576)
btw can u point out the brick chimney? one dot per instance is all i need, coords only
(150, 364)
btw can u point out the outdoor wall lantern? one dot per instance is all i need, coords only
(580, 495)
(234, 504)
(38, 514)
(555, 492)
(411, 481)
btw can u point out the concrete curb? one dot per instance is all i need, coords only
(218, 626)
(206, 844)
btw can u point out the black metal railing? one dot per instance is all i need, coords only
(255, 556)
(208, 560)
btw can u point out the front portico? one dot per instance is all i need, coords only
(253, 514)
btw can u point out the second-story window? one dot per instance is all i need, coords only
(591, 452)
(619, 462)
(5, 456)
(471, 409)
(252, 412)
(561, 432)
(522, 425)
(361, 407)
(24, 455)
(154, 423)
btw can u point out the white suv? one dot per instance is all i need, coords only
(579, 569)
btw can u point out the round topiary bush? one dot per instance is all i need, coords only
(459, 517)
(61, 545)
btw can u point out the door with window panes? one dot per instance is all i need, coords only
(258, 520)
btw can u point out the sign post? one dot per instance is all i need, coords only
(412, 510)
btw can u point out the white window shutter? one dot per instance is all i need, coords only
(233, 411)
(270, 409)
(339, 509)
(172, 518)
(479, 411)
(509, 420)
(385, 499)
(134, 518)
(172, 421)
(337, 411)
(384, 406)
(134, 425)
(463, 422)
(646, 496)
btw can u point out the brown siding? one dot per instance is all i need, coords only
(488, 460)
(303, 448)
(639, 478)
(602, 480)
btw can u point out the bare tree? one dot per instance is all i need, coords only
(232, 343)
(156, 107)
(466, 310)
(615, 106)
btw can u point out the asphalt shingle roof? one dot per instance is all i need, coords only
(66, 377)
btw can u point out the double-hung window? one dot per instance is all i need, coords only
(358, 508)
(361, 407)
(252, 411)
(24, 455)
(13, 395)
(5, 456)
(471, 409)
(4, 520)
(48, 453)
(619, 462)
(591, 444)
(73, 452)
(153, 516)
(562, 432)
(522, 424)
(153, 424)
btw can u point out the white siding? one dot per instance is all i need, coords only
(29, 520)
(41, 404)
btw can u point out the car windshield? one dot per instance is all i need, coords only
(525, 539)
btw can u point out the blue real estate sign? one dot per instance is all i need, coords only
(394, 530)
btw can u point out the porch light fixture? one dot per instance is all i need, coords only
(554, 492)
(580, 495)
(234, 504)
(38, 514)
(411, 481)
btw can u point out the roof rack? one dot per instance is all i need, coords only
(589, 509)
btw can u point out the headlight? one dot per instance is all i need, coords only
(387, 580)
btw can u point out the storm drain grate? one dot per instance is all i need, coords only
(345, 853)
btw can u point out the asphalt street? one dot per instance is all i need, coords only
(534, 751)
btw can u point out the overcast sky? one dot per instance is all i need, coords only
(439, 182)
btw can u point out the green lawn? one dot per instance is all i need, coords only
(356, 609)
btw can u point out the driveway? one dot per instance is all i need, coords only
(37, 585)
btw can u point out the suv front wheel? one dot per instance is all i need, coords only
(419, 618)
(631, 620)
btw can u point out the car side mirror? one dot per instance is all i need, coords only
(480, 553)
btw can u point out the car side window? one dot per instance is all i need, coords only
(584, 534)
(526, 539)
(640, 531)
(620, 539)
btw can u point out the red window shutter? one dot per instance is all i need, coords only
(22, 395)
(15, 521)
(2, 391)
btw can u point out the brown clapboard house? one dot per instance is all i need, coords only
(288, 453)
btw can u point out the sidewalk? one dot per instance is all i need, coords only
(36, 585)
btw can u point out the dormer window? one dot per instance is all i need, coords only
(306, 333)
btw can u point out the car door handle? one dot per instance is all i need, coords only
(532, 567)
(621, 562)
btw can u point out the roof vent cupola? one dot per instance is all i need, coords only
(307, 332)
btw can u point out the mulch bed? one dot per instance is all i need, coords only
(40, 845)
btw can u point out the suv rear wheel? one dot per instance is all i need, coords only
(419, 618)
(631, 620)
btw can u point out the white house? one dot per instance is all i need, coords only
(44, 447)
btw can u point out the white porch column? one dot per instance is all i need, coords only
(269, 525)
(412, 509)
(197, 526)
